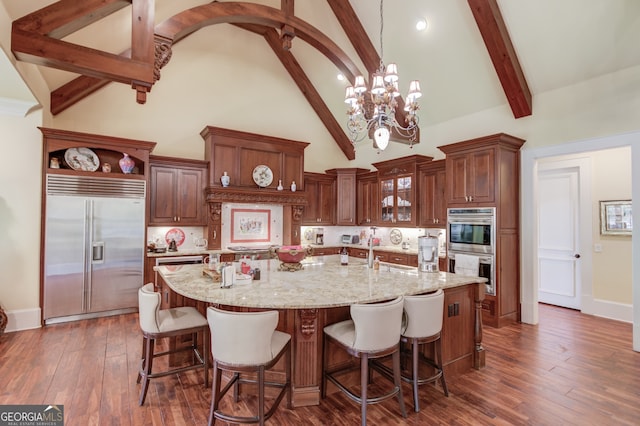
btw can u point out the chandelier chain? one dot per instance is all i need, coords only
(381, 45)
(377, 114)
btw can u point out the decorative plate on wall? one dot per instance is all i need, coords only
(262, 176)
(395, 236)
(175, 234)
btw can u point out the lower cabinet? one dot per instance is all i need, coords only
(459, 320)
(325, 251)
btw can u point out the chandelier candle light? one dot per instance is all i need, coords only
(384, 91)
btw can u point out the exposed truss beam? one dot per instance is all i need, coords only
(260, 19)
(503, 55)
(35, 38)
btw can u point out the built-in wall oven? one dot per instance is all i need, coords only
(485, 270)
(471, 231)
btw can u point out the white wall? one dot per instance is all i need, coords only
(181, 105)
(20, 194)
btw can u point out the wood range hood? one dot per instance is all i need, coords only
(237, 154)
(218, 194)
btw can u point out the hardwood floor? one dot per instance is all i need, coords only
(569, 369)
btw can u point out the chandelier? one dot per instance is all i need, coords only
(382, 110)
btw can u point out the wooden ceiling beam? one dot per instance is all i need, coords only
(503, 55)
(311, 94)
(33, 41)
(65, 17)
(306, 87)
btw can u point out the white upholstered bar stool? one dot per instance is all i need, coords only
(372, 332)
(247, 342)
(157, 323)
(424, 325)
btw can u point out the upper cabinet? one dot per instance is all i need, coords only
(321, 197)
(346, 194)
(367, 198)
(177, 191)
(397, 181)
(477, 170)
(84, 154)
(431, 197)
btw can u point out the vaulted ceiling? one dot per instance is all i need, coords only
(475, 54)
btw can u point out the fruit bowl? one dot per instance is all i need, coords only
(291, 254)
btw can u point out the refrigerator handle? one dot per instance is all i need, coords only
(97, 252)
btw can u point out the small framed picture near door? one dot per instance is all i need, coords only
(616, 218)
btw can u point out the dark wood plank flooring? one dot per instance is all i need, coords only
(571, 369)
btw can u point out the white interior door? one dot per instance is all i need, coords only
(559, 235)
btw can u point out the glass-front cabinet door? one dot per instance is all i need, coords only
(387, 192)
(397, 199)
(405, 200)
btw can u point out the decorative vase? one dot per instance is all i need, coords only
(293, 186)
(280, 188)
(126, 164)
(3, 320)
(224, 179)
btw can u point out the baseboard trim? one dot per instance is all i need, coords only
(23, 319)
(608, 309)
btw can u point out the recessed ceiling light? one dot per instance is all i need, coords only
(340, 77)
(421, 25)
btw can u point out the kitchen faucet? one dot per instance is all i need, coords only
(370, 259)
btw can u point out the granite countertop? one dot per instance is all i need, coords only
(387, 248)
(194, 251)
(322, 283)
(391, 248)
(188, 252)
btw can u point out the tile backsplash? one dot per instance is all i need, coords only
(332, 235)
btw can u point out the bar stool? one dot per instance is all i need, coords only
(247, 342)
(424, 325)
(157, 323)
(373, 332)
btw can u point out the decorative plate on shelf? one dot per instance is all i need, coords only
(262, 176)
(395, 236)
(82, 159)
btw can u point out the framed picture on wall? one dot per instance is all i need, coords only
(616, 217)
(250, 225)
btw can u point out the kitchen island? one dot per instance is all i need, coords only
(321, 293)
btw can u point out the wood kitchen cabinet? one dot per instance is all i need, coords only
(397, 180)
(367, 199)
(321, 197)
(346, 199)
(470, 177)
(485, 172)
(431, 196)
(177, 191)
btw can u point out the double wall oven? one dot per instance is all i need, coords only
(471, 231)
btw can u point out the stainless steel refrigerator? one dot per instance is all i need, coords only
(94, 247)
